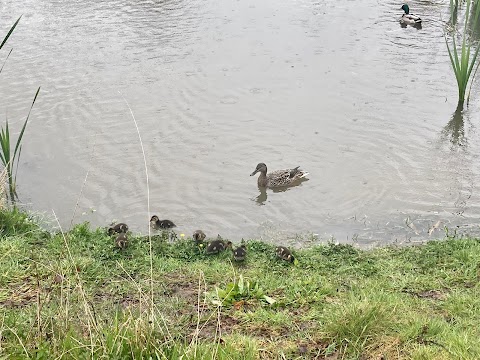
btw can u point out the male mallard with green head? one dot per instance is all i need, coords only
(284, 254)
(118, 229)
(156, 223)
(278, 178)
(408, 18)
(217, 246)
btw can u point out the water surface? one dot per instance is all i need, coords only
(364, 105)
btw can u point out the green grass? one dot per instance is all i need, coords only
(463, 60)
(74, 295)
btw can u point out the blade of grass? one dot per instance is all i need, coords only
(10, 32)
(5, 61)
(25, 124)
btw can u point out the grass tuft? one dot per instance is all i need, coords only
(75, 295)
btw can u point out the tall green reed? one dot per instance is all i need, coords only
(463, 60)
(9, 158)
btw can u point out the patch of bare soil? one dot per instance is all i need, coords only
(428, 294)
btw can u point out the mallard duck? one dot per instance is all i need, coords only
(278, 178)
(240, 253)
(198, 236)
(121, 241)
(118, 229)
(284, 254)
(408, 18)
(156, 223)
(217, 246)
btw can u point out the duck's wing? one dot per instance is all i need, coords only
(285, 177)
(411, 18)
(279, 178)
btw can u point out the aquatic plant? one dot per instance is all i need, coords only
(6, 38)
(453, 12)
(462, 59)
(8, 159)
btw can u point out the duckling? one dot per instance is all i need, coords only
(198, 236)
(278, 178)
(118, 229)
(408, 18)
(121, 241)
(284, 254)
(240, 253)
(218, 246)
(156, 223)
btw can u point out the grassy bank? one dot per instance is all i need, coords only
(74, 295)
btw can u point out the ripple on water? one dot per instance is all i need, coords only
(217, 87)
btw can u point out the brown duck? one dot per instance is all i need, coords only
(278, 178)
(121, 241)
(284, 254)
(218, 246)
(118, 229)
(198, 236)
(240, 253)
(156, 223)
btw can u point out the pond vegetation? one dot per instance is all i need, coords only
(463, 60)
(9, 156)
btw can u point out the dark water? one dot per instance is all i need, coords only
(340, 88)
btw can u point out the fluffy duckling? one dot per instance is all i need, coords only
(121, 241)
(240, 253)
(198, 236)
(218, 246)
(408, 18)
(156, 223)
(118, 229)
(284, 254)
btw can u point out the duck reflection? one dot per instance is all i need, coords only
(261, 198)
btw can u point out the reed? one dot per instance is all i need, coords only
(8, 158)
(463, 59)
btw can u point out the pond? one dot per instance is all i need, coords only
(338, 87)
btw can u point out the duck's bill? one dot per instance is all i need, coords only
(253, 173)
